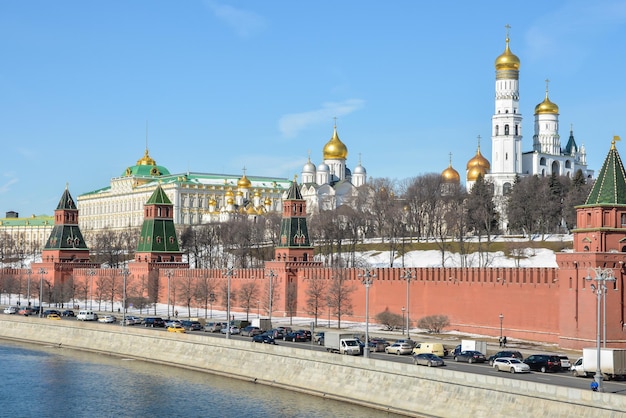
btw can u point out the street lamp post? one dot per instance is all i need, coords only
(211, 300)
(229, 272)
(403, 309)
(408, 276)
(501, 319)
(602, 277)
(168, 273)
(43, 272)
(90, 273)
(271, 275)
(125, 273)
(368, 278)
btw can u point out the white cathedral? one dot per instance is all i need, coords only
(507, 159)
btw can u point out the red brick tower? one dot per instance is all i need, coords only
(599, 242)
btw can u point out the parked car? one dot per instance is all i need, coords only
(175, 327)
(68, 313)
(51, 311)
(306, 333)
(11, 310)
(510, 364)
(565, 363)
(26, 311)
(212, 327)
(544, 362)
(399, 348)
(153, 322)
(428, 359)
(250, 331)
(53, 316)
(408, 341)
(276, 333)
(108, 319)
(233, 330)
(191, 325)
(470, 356)
(295, 336)
(263, 338)
(506, 353)
(428, 347)
(131, 320)
(319, 338)
(170, 322)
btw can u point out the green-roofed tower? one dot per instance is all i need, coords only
(601, 221)
(157, 242)
(294, 243)
(65, 242)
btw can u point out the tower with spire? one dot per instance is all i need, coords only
(599, 243)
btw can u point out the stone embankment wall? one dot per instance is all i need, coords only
(385, 385)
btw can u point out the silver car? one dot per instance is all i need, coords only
(510, 364)
(399, 348)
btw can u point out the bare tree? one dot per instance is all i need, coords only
(389, 320)
(248, 294)
(316, 295)
(339, 294)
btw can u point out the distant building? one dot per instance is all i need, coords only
(24, 237)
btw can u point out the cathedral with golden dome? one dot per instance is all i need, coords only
(508, 161)
(331, 184)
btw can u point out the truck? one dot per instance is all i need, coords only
(612, 363)
(342, 343)
(473, 345)
(265, 324)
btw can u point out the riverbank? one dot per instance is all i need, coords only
(383, 385)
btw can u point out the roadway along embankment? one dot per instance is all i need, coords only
(389, 386)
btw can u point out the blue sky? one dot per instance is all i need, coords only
(227, 84)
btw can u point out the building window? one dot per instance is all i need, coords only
(623, 217)
(497, 130)
(506, 129)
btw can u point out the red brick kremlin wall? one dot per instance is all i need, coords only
(538, 304)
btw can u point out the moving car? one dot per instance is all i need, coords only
(319, 338)
(107, 319)
(428, 359)
(433, 348)
(11, 310)
(176, 328)
(470, 356)
(565, 363)
(192, 325)
(154, 322)
(233, 330)
(399, 348)
(212, 327)
(68, 313)
(53, 316)
(510, 364)
(263, 338)
(544, 362)
(506, 353)
(295, 336)
(250, 331)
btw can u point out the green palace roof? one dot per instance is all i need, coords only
(39, 220)
(610, 187)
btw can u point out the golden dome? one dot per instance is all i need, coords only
(450, 175)
(335, 149)
(546, 107)
(507, 60)
(257, 193)
(230, 201)
(229, 193)
(268, 201)
(212, 202)
(474, 172)
(146, 160)
(239, 193)
(479, 161)
(244, 183)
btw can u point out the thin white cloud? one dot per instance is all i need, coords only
(244, 22)
(6, 186)
(290, 125)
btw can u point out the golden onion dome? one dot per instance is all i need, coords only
(335, 149)
(450, 175)
(479, 161)
(239, 193)
(230, 201)
(244, 183)
(229, 193)
(474, 172)
(267, 201)
(507, 60)
(146, 160)
(212, 202)
(546, 107)
(257, 193)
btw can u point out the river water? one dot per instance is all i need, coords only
(45, 381)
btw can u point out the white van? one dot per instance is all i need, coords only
(86, 316)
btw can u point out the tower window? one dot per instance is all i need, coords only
(497, 130)
(516, 130)
(623, 217)
(506, 129)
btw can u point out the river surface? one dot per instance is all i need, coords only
(46, 381)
